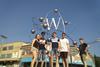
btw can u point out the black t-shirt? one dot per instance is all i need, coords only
(54, 43)
(82, 48)
(42, 46)
(36, 44)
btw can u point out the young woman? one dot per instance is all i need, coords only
(64, 49)
(35, 48)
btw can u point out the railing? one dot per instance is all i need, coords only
(73, 58)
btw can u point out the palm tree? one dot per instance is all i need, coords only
(97, 61)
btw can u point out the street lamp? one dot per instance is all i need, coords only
(98, 40)
(95, 41)
(3, 37)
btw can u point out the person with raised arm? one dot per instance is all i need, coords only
(35, 48)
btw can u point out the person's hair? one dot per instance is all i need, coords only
(81, 38)
(64, 33)
(74, 43)
(53, 33)
(36, 35)
(42, 33)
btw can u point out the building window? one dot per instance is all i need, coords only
(10, 47)
(4, 48)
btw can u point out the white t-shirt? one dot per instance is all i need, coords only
(64, 43)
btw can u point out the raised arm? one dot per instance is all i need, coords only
(33, 41)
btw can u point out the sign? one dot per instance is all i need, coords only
(56, 24)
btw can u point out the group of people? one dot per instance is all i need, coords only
(55, 47)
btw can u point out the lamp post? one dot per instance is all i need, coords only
(3, 37)
(95, 41)
(98, 40)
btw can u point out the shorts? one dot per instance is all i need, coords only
(63, 54)
(54, 52)
(34, 49)
(84, 56)
(41, 55)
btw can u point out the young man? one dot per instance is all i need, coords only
(64, 49)
(83, 51)
(42, 50)
(54, 45)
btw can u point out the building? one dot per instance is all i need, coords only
(10, 54)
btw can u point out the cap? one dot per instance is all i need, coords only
(74, 43)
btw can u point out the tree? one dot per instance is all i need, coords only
(97, 61)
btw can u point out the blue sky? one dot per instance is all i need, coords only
(84, 15)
